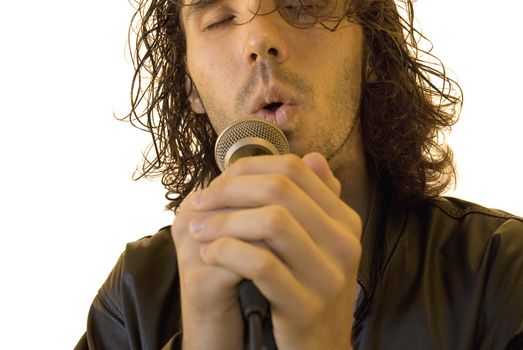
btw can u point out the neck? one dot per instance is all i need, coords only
(350, 168)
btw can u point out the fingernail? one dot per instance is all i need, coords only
(197, 198)
(196, 226)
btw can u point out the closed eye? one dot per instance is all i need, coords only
(220, 23)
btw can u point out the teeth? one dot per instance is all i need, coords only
(273, 106)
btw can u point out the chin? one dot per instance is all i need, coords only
(300, 148)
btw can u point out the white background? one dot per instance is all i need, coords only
(67, 202)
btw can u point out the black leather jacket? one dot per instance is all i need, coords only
(446, 274)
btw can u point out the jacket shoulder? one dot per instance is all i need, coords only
(141, 294)
(141, 265)
(469, 218)
(458, 209)
(493, 253)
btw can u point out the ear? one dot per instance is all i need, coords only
(194, 97)
(368, 73)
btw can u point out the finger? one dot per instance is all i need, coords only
(267, 272)
(319, 165)
(193, 271)
(275, 226)
(251, 191)
(298, 172)
(191, 202)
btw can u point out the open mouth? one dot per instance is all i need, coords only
(277, 110)
(273, 107)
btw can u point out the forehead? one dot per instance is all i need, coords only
(192, 7)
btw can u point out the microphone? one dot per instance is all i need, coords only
(247, 138)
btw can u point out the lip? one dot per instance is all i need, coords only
(284, 115)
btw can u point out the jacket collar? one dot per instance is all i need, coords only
(382, 228)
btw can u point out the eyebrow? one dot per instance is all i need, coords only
(197, 6)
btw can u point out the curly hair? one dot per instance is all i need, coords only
(407, 101)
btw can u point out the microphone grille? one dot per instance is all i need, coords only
(245, 129)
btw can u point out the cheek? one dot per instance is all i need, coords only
(211, 55)
(213, 72)
(342, 67)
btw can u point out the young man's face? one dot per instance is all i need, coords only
(307, 81)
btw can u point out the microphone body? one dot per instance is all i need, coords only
(247, 138)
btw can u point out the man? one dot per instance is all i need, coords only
(346, 237)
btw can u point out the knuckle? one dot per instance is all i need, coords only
(351, 252)
(338, 283)
(353, 222)
(357, 223)
(349, 248)
(291, 163)
(276, 217)
(264, 267)
(346, 247)
(217, 246)
(179, 227)
(357, 252)
(336, 186)
(276, 186)
(186, 203)
(241, 166)
(218, 183)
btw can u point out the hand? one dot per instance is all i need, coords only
(279, 221)
(211, 314)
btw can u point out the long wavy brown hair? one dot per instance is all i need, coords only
(407, 101)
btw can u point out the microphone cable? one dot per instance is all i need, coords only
(254, 308)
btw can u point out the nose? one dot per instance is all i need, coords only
(265, 39)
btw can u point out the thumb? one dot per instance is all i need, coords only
(319, 165)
